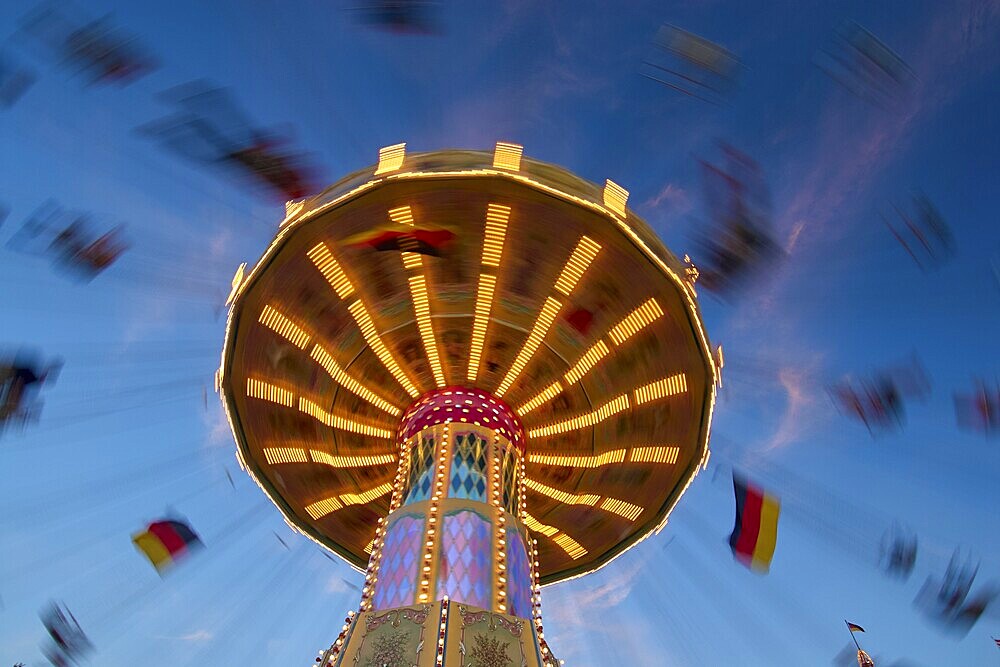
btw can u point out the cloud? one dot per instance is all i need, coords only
(799, 415)
(217, 426)
(339, 585)
(585, 606)
(674, 197)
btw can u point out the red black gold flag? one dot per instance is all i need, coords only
(165, 542)
(854, 628)
(756, 531)
(425, 241)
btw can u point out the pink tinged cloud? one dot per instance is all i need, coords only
(801, 413)
(674, 197)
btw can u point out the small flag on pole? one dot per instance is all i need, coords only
(854, 628)
(997, 642)
(756, 531)
(165, 542)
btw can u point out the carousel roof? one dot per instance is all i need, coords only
(484, 270)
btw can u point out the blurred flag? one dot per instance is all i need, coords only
(93, 47)
(865, 66)
(165, 542)
(997, 641)
(691, 64)
(979, 411)
(208, 127)
(14, 81)
(756, 531)
(854, 627)
(426, 241)
(69, 641)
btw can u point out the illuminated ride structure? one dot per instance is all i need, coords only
(468, 374)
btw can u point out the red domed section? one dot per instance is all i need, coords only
(462, 404)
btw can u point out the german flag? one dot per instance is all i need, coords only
(756, 531)
(854, 627)
(165, 542)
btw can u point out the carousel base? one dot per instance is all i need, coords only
(439, 634)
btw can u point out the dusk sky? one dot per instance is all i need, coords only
(133, 430)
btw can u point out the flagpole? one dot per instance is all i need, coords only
(852, 635)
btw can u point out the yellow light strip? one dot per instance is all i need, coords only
(654, 454)
(549, 392)
(570, 546)
(284, 327)
(275, 455)
(538, 331)
(319, 456)
(418, 290)
(639, 318)
(328, 266)
(390, 158)
(269, 392)
(367, 327)
(636, 321)
(562, 496)
(612, 456)
(610, 408)
(341, 423)
(668, 386)
(614, 505)
(342, 378)
(507, 156)
(366, 496)
(615, 197)
(496, 230)
(411, 260)
(566, 543)
(334, 503)
(368, 549)
(584, 253)
(402, 215)
(587, 361)
(537, 526)
(621, 508)
(484, 303)
(323, 507)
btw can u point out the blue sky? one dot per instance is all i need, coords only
(126, 433)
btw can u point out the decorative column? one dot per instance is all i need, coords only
(452, 577)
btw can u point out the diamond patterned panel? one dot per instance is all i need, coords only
(465, 573)
(519, 576)
(421, 472)
(510, 471)
(468, 468)
(397, 577)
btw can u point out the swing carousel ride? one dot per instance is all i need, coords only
(468, 374)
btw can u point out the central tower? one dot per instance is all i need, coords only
(454, 528)
(454, 540)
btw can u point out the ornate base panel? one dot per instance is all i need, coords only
(400, 637)
(489, 639)
(440, 634)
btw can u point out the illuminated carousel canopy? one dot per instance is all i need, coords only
(432, 272)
